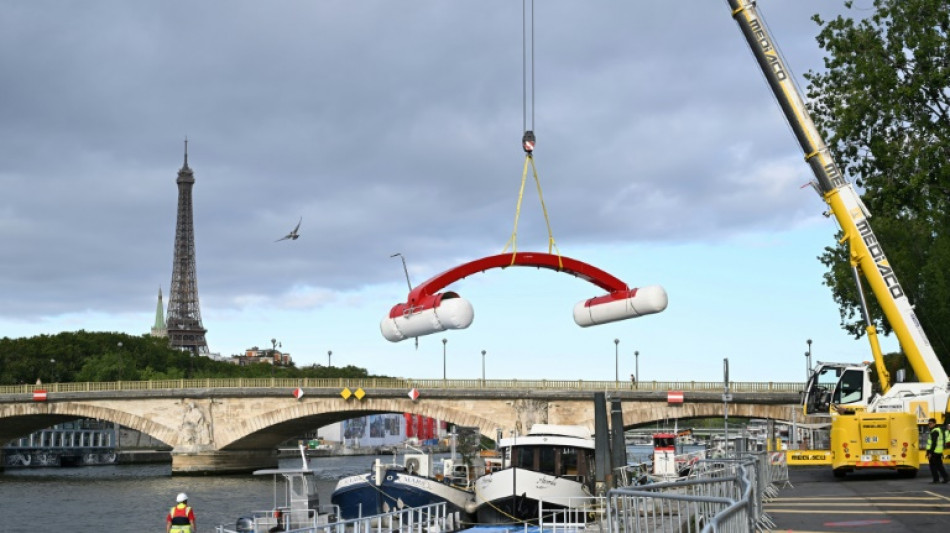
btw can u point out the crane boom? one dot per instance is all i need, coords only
(846, 206)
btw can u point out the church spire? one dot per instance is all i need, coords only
(159, 329)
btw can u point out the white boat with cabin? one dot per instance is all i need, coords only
(553, 464)
(296, 503)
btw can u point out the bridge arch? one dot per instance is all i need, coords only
(642, 413)
(24, 419)
(270, 428)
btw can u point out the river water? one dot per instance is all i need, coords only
(135, 498)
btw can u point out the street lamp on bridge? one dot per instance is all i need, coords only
(119, 345)
(483, 367)
(636, 368)
(617, 360)
(329, 358)
(444, 342)
(808, 361)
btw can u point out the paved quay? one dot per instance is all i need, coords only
(878, 502)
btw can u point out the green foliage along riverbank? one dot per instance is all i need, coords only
(105, 356)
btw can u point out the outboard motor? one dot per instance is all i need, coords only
(245, 524)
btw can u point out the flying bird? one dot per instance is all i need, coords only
(293, 233)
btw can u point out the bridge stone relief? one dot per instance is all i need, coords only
(210, 431)
(196, 431)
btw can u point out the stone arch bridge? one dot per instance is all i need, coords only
(219, 426)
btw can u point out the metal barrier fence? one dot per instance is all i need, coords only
(720, 496)
(400, 383)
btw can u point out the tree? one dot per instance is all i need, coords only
(882, 104)
(97, 356)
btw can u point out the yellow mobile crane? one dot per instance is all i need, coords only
(869, 429)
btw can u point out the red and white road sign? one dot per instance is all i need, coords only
(674, 396)
(39, 396)
(414, 394)
(298, 393)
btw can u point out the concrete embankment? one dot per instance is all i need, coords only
(131, 457)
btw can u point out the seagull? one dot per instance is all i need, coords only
(293, 234)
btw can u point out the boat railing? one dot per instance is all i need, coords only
(571, 514)
(422, 519)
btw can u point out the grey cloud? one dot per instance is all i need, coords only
(387, 126)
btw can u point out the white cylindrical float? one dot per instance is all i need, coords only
(447, 311)
(620, 306)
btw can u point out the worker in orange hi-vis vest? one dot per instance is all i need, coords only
(181, 517)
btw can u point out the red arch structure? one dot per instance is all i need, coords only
(427, 311)
(425, 291)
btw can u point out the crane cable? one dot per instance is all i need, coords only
(528, 138)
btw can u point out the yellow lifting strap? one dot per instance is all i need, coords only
(513, 241)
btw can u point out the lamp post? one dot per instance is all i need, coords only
(636, 367)
(726, 398)
(483, 368)
(404, 269)
(329, 358)
(808, 360)
(444, 342)
(617, 360)
(119, 344)
(52, 370)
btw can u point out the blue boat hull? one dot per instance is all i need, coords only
(360, 496)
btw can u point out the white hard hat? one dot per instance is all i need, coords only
(182, 497)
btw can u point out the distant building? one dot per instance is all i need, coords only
(384, 430)
(257, 355)
(159, 329)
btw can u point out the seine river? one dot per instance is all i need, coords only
(135, 498)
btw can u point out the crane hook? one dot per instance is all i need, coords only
(527, 141)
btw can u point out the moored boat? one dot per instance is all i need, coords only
(415, 482)
(553, 464)
(299, 507)
(668, 463)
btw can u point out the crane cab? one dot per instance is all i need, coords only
(838, 386)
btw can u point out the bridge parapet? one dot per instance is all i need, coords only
(407, 384)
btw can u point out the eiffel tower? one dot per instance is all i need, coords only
(183, 321)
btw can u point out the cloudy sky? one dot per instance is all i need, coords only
(395, 127)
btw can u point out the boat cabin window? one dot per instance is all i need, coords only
(546, 461)
(665, 441)
(569, 461)
(302, 491)
(298, 488)
(553, 460)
